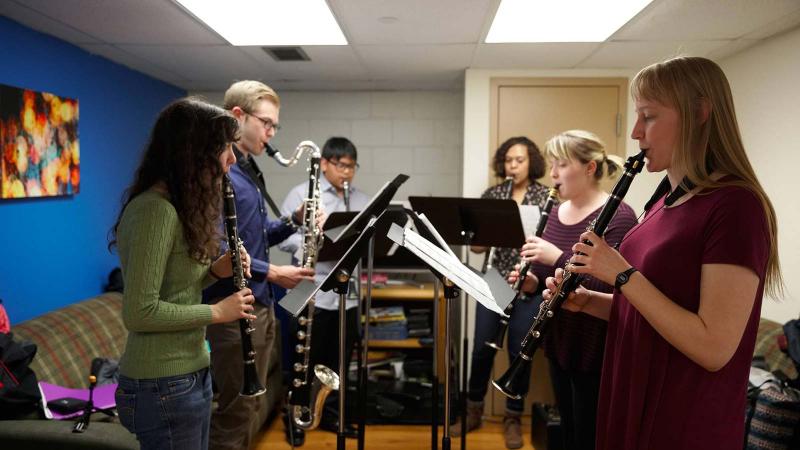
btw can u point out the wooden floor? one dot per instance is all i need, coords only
(395, 437)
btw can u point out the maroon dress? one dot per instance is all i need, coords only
(652, 396)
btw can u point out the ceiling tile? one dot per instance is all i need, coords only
(129, 22)
(418, 21)
(672, 20)
(200, 62)
(407, 61)
(731, 48)
(784, 23)
(634, 55)
(43, 23)
(120, 56)
(531, 56)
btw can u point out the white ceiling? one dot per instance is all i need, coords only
(429, 46)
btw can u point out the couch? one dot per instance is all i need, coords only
(68, 339)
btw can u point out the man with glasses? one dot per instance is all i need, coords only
(339, 164)
(256, 107)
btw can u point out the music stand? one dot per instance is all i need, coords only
(474, 221)
(296, 299)
(377, 205)
(379, 247)
(454, 276)
(338, 280)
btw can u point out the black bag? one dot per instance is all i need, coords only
(546, 433)
(106, 370)
(19, 389)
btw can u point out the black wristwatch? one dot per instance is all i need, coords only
(623, 277)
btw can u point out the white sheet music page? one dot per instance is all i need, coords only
(530, 215)
(452, 268)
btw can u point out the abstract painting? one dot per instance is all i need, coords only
(39, 150)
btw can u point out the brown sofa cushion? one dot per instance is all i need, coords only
(70, 337)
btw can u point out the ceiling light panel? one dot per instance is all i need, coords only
(269, 22)
(561, 21)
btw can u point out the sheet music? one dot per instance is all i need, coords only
(436, 235)
(448, 265)
(529, 214)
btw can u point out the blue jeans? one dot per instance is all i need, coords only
(167, 413)
(487, 323)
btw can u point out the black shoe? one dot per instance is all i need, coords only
(349, 431)
(297, 437)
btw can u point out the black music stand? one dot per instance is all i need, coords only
(380, 246)
(338, 238)
(338, 280)
(377, 205)
(433, 251)
(474, 221)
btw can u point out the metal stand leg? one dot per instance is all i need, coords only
(363, 372)
(435, 380)
(450, 293)
(464, 355)
(343, 278)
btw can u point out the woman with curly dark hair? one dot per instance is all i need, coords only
(519, 162)
(167, 234)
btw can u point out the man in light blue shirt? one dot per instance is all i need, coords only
(339, 165)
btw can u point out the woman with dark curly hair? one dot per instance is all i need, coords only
(519, 159)
(166, 234)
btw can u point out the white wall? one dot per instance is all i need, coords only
(764, 80)
(418, 133)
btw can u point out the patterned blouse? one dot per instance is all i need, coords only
(506, 258)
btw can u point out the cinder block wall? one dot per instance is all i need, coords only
(419, 133)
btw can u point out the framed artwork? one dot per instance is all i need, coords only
(39, 149)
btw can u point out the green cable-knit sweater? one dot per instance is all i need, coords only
(162, 304)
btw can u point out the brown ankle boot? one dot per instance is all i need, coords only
(512, 431)
(474, 418)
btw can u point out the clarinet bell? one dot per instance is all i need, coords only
(497, 342)
(512, 381)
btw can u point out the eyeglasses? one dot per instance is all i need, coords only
(344, 167)
(266, 122)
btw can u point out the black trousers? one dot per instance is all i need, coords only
(576, 395)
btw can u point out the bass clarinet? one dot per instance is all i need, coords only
(510, 383)
(251, 387)
(497, 342)
(307, 397)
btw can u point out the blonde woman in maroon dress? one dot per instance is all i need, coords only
(688, 279)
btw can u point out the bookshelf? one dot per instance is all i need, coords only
(413, 295)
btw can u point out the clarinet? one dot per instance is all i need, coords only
(497, 342)
(251, 387)
(508, 190)
(512, 381)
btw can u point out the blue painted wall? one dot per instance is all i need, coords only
(53, 250)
